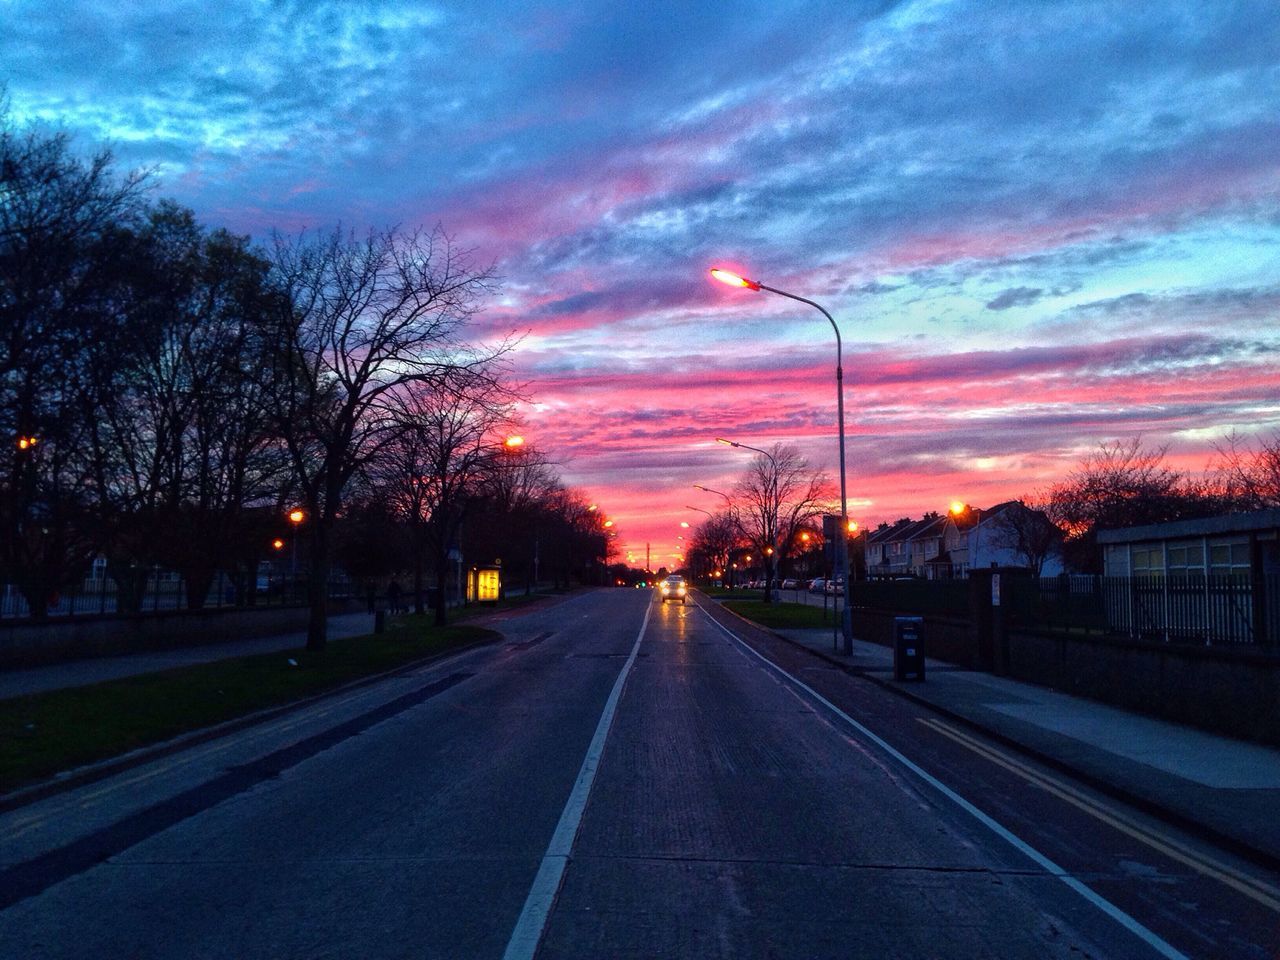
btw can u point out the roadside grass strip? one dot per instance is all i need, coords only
(47, 733)
(779, 615)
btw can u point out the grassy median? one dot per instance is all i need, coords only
(781, 616)
(43, 734)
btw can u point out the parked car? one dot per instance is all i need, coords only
(818, 585)
(788, 584)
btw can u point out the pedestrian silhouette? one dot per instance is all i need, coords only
(393, 596)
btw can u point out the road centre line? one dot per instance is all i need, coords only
(1152, 939)
(1253, 888)
(532, 922)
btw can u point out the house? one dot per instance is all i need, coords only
(948, 546)
(1009, 534)
(884, 551)
(924, 546)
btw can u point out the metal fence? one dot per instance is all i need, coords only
(1238, 611)
(165, 592)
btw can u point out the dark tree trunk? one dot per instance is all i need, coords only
(317, 590)
(198, 581)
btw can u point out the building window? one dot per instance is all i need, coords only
(1229, 557)
(1186, 559)
(1147, 561)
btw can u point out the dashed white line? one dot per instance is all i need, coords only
(546, 884)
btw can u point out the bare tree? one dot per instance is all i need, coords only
(59, 216)
(361, 318)
(449, 434)
(1245, 478)
(715, 537)
(1120, 484)
(1024, 528)
(776, 498)
(514, 511)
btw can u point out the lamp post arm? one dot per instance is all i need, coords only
(844, 499)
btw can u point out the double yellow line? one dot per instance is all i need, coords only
(1251, 887)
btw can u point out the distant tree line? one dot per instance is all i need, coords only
(1120, 484)
(169, 391)
(1124, 483)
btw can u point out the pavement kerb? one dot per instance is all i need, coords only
(1262, 858)
(91, 773)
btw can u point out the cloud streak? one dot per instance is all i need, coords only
(1039, 226)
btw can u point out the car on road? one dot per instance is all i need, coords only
(673, 588)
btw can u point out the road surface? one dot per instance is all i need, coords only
(618, 778)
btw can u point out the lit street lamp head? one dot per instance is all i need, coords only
(731, 279)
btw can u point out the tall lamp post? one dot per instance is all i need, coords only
(734, 280)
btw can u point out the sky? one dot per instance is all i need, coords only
(1039, 226)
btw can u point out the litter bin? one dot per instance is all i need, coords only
(908, 648)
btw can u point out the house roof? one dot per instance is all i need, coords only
(928, 527)
(1255, 520)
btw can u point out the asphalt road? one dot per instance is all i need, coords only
(617, 779)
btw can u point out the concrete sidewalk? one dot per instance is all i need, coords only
(79, 673)
(1222, 788)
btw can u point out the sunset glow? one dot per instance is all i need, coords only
(1037, 234)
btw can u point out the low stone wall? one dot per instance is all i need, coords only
(24, 644)
(946, 639)
(1229, 691)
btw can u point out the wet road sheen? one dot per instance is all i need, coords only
(729, 809)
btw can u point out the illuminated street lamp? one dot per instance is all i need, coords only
(296, 516)
(734, 280)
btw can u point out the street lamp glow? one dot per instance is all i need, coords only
(278, 543)
(26, 443)
(731, 279)
(296, 516)
(735, 280)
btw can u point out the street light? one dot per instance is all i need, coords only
(296, 516)
(698, 486)
(734, 280)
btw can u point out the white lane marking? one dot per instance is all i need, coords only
(1106, 906)
(542, 895)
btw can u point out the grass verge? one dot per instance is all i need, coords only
(780, 616)
(45, 733)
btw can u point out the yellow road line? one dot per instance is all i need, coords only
(1253, 888)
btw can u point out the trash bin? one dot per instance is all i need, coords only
(908, 648)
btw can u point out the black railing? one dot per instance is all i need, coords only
(1215, 610)
(163, 592)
